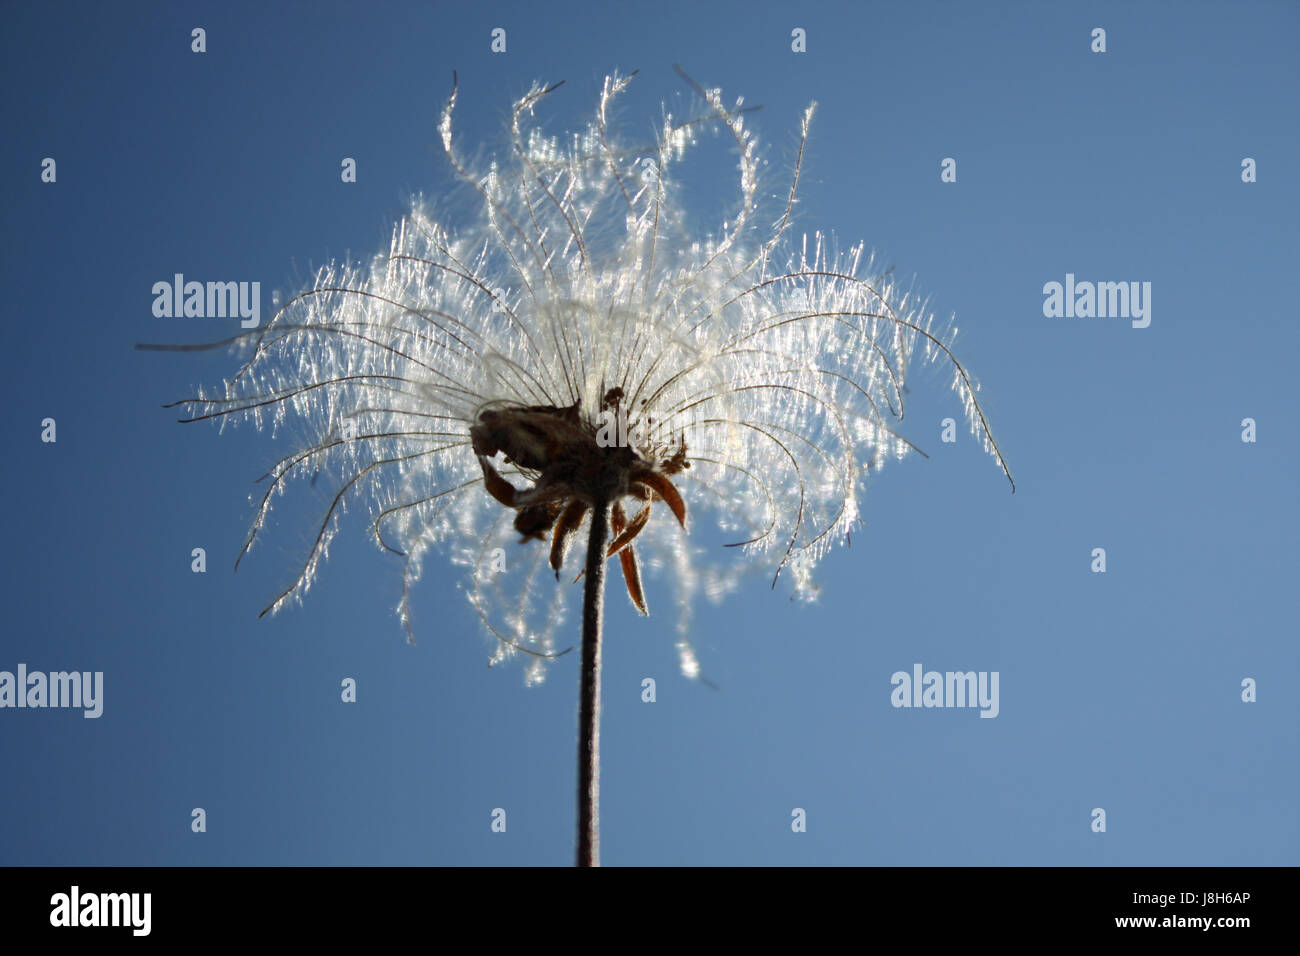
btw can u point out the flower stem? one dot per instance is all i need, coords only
(593, 602)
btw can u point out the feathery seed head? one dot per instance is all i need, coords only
(575, 344)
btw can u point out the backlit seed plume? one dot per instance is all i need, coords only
(757, 376)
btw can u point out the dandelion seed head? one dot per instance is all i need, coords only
(764, 375)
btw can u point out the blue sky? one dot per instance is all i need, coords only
(1119, 690)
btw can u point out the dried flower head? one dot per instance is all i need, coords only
(577, 343)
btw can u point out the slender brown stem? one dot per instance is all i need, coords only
(593, 602)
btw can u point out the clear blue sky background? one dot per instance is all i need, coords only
(1118, 690)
